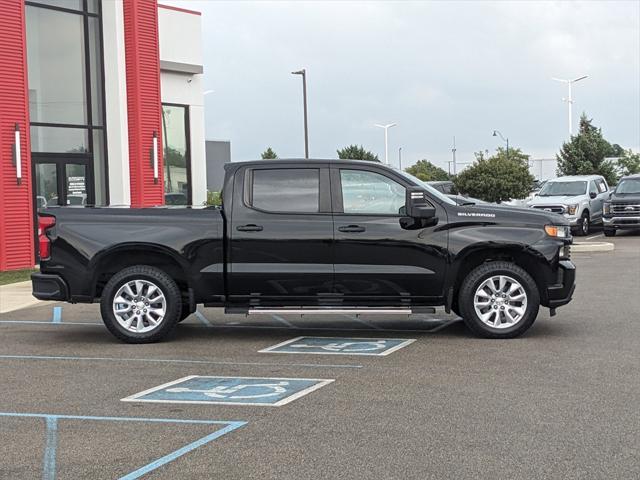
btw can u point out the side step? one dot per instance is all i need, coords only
(330, 311)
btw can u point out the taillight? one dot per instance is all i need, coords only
(44, 223)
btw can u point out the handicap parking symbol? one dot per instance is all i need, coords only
(230, 390)
(340, 346)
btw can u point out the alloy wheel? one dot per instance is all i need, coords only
(139, 306)
(500, 301)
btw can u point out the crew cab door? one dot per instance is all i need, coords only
(381, 256)
(281, 235)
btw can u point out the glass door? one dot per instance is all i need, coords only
(62, 181)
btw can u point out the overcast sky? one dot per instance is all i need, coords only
(436, 68)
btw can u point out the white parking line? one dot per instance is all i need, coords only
(595, 236)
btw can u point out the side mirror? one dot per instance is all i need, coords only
(593, 195)
(418, 205)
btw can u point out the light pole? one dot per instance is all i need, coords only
(303, 72)
(453, 154)
(386, 140)
(400, 158)
(569, 99)
(496, 133)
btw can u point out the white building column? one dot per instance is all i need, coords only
(115, 88)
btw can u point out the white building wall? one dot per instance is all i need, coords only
(115, 86)
(181, 83)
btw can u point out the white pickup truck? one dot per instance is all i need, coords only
(578, 198)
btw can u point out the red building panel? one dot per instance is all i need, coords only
(16, 214)
(143, 99)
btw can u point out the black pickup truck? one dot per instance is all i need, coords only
(308, 236)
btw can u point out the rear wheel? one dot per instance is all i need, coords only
(499, 300)
(140, 304)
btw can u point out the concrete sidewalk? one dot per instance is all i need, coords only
(16, 296)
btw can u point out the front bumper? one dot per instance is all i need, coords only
(562, 291)
(621, 222)
(49, 287)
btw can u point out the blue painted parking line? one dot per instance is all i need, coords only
(57, 315)
(259, 391)
(378, 347)
(172, 360)
(49, 461)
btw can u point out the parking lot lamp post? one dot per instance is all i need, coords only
(496, 133)
(386, 140)
(400, 158)
(569, 99)
(303, 72)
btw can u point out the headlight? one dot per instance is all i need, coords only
(606, 208)
(572, 209)
(557, 231)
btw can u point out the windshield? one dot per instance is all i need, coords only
(434, 193)
(553, 189)
(630, 185)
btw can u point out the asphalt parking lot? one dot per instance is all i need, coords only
(560, 402)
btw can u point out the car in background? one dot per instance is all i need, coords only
(622, 209)
(445, 186)
(578, 198)
(175, 199)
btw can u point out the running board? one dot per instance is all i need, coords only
(330, 311)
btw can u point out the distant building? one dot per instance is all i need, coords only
(218, 153)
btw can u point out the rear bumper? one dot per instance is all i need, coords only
(49, 287)
(561, 292)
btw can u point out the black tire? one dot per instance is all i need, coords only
(609, 232)
(584, 226)
(475, 278)
(171, 294)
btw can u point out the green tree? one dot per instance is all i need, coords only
(586, 152)
(268, 154)
(628, 163)
(497, 178)
(427, 171)
(355, 152)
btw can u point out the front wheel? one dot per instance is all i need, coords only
(140, 304)
(499, 300)
(584, 225)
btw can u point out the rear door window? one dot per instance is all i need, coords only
(288, 190)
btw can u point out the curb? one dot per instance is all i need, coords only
(592, 247)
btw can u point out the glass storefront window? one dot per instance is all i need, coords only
(55, 57)
(177, 168)
(95, 71)
(59, 140)
(99, 168)
(70, 4)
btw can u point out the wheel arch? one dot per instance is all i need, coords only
(523, 256)
(111, 261)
